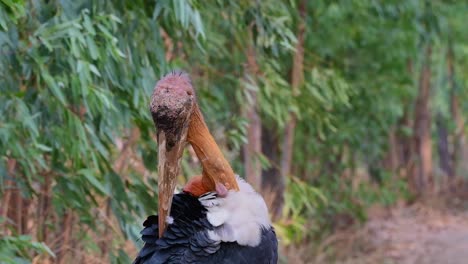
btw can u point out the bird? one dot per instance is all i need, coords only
(217, 217)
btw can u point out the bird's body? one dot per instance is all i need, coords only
(210, 229)
(218, 218)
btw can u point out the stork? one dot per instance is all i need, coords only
(218, 217)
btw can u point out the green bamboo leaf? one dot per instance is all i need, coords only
(54, 87)
(43, 147)
(88, 25)
(94, 70)
(93, 50)
(89, 175)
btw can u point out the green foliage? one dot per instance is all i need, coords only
(358, 85)
(16, 249)
(300, 211)
(11, 9)
(76, 76)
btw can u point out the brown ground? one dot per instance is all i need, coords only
(420, 235)
(431, 233)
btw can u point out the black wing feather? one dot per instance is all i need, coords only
(186, 240)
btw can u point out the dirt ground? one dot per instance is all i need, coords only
(420, 235)
(429, 233)
(433, 232)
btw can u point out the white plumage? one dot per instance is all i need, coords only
(238, 217)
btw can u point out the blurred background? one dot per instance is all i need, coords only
(348, 116)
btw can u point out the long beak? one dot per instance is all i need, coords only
(168, 170)
(171, 107)
(216, 169)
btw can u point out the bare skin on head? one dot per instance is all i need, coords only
(171, 106)
(178, 119)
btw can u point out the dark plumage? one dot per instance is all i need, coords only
(186, 240)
